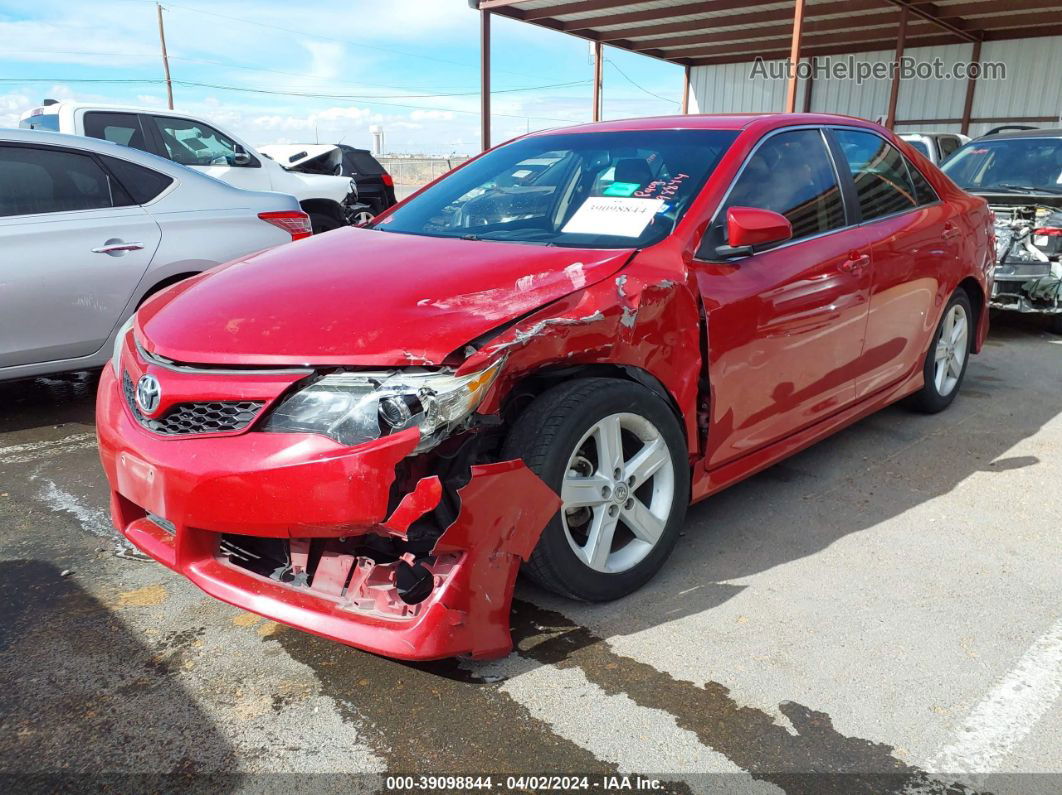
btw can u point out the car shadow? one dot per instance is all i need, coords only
(30, 403)
(804, 504)
(85, 705)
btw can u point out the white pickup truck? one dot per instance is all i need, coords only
(329, 201)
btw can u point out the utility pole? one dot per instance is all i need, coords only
(165, 57)
(598, 69)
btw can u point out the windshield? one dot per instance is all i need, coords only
(585, 190)
(1008, 165)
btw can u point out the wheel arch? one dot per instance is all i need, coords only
(976, 294)
(532, 384)
(324, 207)
(162, 284)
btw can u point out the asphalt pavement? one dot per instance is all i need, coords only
(883, 610)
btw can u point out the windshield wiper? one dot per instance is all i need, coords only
(1026, 188)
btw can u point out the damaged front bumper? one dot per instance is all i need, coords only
(307, 532)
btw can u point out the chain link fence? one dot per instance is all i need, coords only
(417, 171)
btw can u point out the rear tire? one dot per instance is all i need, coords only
(616, 454)
(321, 222)
(947, 357)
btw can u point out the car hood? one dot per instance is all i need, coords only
(295, 157)
(362, 297)
(1019, 199)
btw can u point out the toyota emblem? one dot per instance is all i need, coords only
(148, 394)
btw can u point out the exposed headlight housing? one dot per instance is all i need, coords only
(357, 407)
(119, 341)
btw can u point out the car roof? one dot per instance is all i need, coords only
(146, 159)
(713, 121)
(1055, 132)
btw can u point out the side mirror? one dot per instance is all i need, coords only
(240, 156)
(749, 227)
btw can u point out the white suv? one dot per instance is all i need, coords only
(329, 201)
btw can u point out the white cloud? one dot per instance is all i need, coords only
(432, 115)
(11, 107)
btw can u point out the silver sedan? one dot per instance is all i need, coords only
(89, 229)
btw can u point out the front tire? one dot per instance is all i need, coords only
(947, 358)
(616, 455)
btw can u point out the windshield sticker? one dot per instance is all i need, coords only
(1059, 180)
(661, 188)
(621, 217)
(621, 189)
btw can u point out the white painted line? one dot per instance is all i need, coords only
(95, 520)
(1009, 712)
(614, 728)
(34, 451)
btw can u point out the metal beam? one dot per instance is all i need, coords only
(808, 85)
(598, 63)
(685, 90)
(794, 54)
(894, 89)
(777, 44)
(930, 13)
(971, 87)
(578, 8)
(705, 24)
(777, 35)
(834, 49)
(812, 27)
(484, 79)
(687, 8)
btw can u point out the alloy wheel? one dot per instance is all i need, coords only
(618, 492)
(952, 348)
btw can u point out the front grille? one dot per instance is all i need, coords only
(217, 416)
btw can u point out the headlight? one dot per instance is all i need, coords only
(119, 341)
(353, 408)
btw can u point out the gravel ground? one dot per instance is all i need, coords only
(888, 602)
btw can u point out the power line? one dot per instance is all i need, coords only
(309, 94)
(640, 88)
(267, 25)
(262, 69)
(219, 87)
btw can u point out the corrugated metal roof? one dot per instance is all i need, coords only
(702, 32)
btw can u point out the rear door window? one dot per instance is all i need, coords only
(882, 183)
(119, 128)
(47, 180)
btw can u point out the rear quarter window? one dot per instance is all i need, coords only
(143, 184)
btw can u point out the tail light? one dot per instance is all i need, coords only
(388, 180)
(1048, 231)
(294, 222)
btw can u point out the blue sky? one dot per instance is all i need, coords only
(382, 63)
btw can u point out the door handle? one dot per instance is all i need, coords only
(854, 264)
(114, 248)
(950, 231)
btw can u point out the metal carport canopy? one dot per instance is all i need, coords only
(693, 33)
(707, 32)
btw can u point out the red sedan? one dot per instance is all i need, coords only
(539, 360)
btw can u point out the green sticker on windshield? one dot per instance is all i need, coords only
(621, 188)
